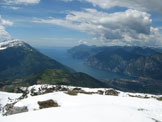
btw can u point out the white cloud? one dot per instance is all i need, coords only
(144, 5)
(14, 4)
(11, 7)
(3, 33)
(21, 1)
(67, 0)
(131, 27)
(82, 42)
(5, 22)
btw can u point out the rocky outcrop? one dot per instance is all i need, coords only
(10, 109)
(100, 92)
(111, 92)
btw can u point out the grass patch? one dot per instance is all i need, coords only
(71, 92)
(47, 104)
(160, 98)
(75, 92)
(139, 96)
(84, 92)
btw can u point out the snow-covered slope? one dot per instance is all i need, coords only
(10, 43)
(86, 107)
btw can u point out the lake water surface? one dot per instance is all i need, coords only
(61, 55)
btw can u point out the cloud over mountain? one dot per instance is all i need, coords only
(3, 33)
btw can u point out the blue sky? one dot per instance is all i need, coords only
(72, 22)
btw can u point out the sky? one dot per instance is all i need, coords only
(67, 23)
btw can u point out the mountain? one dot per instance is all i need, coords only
(84, 51)
(140, 85)
(18, 59)
(146, 66)
(54, 77)
(132, 61)
(60, 77)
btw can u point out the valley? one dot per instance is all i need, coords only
(61, 54)
(81, 60)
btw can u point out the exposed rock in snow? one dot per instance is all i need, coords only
(10, 43)
(95, 107)
(111, 92)
(10, 109)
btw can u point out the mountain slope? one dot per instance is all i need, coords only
(54, 77)
(128, 63)
(84, 51)
(132, 61)
(60, 77)
(18, 59)
(140, 85)
(146, 66)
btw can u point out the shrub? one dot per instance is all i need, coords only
(84, 92)
(160, 98)
(47, 104)
(71, 92)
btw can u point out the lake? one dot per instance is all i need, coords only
(61, 55)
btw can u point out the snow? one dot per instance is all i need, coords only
(8, 97)
(86, 108)
(10, 43)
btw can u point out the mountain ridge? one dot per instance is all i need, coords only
(125, 60)
(19, 59)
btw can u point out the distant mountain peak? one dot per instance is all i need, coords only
(11, 43)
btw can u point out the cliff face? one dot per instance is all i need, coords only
(149, 66)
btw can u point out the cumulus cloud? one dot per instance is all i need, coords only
(135, 4)
(3, 33)
(131, 27)
(21, 1)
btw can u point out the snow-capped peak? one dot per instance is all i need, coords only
(10, 43)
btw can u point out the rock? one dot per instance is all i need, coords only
(34, 92)
(58, 87)
(100, 92)
(49, 90)
(64, 89)
(0, 107)
(10, 109)
(77, 89)
(111, 92)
